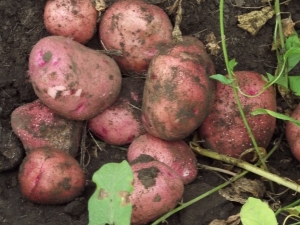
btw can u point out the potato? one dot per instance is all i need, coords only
(157, 190)
(178, 93)
(38, 126)
(50, 176)
(176, 154)
(223, 130)
(120, 123)
(76, 19)
(136, 28)
(292, 133)
(71, 79)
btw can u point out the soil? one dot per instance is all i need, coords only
(22, 26)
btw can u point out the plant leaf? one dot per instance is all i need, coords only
(276, 115)
(223, 79)
(293, 211)
(280, 80)
(294, 82)
(231, 64)
(110, 204)
(256, 212)
(293, 57)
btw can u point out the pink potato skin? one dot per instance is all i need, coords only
(38, 126)
(50, 176)
(157, 190)
(75, 19)
(178, 93)
(292, 133)
(71, 79)
(120, 123)
(136, 28)
(223, 130)
(176, 154)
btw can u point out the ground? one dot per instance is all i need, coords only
(22, 26)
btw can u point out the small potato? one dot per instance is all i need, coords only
(178, 93)
(120, 123)
(38, 126)
(224, 131)
(71, 79)
(176, 154)
(76, 19)
(136, 28)
(292, 133)
(157, 190)
(50, 176)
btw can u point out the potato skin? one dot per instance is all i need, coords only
(292, 133)
(71, 79)
(50, 176)
(136, 28)
(76, 19)
(223, 130)
(120, 123)
(178, 94)
(176, 154)
(157, 190)
(38, 126)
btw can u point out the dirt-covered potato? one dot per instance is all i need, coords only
(157, 190)
(292, 132)
(76, 19)
(71, 79)
(38, 126)
(224, 131)
(50, 176)
(178, 93)
(176, 154)
(120, 123)
(136, 28)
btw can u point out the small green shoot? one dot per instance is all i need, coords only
(110, 205)
(276, 115)
(223, 79)
(256, 212)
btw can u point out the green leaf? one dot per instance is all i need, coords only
(110, 204)
(293, 57)
(276, 115)
(294, 82)
(223, 79)
(279, 80)
(292, 41)
(256, 212)
(293, 211)
(231, 64)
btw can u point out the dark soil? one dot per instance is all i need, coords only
(22, 26)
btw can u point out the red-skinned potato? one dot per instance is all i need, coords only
(76, 19)
(120, 123)
(224, 131)
(176, 154)
(71, 79)
(136, 28)
(178, 93)
(157, 190)
(38, 126)
(292, 132)
(50, 176)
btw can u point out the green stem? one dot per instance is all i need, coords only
(295, 203)
(247, 166)
(235, 90)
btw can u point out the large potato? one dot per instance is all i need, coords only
(136, 28)
(120, 123)
(38, 126)
(76, 19)
(176, 154)
(178, 93)
(157, 190)
(224, 131)
(50, 176)
(292, 133)
(71, 79)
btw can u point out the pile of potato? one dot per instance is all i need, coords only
(151, 98)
